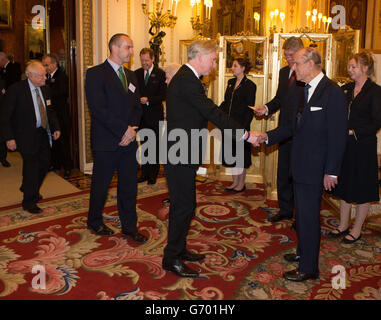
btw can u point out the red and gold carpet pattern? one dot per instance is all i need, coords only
(244, 252)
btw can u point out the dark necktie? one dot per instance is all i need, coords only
(42, 110)
(146, 77)
(122, 77)
(292, 79)
(302, 104)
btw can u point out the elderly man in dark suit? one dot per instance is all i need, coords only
(152, 89)
(58, 83)
(10, 72)
(319, 130)
(114, 102)
(29, 124)
(189, 110)
(287, 83)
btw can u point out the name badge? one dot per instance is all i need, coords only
(48, 102)
(131, 87)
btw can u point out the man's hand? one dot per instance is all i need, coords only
(329, 182)
(259, 110)
(256, 138)
(11, 145)
(56, 135)
(128, 136)
(143, 100)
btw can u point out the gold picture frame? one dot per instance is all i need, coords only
(6, 14)
(35, 42)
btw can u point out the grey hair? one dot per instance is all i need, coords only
(312, 54)
(201, 47)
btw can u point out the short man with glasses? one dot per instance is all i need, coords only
(29, 124)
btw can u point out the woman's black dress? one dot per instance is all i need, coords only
(358, 179)
(236, 106)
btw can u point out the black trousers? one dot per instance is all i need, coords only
(35, 168)
(3, 151)
(182, 193)
(285, 187)
(123, 161)
(307, 202)
(151, 170)
(61, 150)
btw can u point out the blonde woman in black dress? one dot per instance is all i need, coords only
(358, 180)
(239, 95)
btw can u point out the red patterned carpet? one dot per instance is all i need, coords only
(244, 253)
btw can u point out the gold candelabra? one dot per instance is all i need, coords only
(201, 22)
(157, 17)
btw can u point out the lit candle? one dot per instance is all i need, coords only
(308, 14)
(276, 13)
(314, 21)
(324, 22)
(257, 17)
(320, 16)
(271, 18)
(329, 20)
(282, 16)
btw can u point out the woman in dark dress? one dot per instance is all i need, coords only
(358, 180)
(239, 95)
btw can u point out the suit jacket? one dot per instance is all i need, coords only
(189, 108)
(18, 117)
(155, 90)
(11, 74)
(320, 139)
(364, 110)
(59, 89)
(236, 102)
(112, 108)
(286, 97)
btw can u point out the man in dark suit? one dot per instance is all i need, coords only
(319, 130)
(189, 110)
(28, 123)
(3, 147)
(152, 87)
(287, 83)
(58, 83)
(10, 72)
(112, 96)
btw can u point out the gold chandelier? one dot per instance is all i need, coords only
(201, 21)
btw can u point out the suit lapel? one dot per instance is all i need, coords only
(113, 77)
(29, 99)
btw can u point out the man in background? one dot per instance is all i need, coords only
(282, 101)
(152, 89)
(58, 83)
(10, 72)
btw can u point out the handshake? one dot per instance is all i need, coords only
(255, 138)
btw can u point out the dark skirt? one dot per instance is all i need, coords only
(358, 179)
(246, 155)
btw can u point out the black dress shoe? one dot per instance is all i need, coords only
(180, 269)
(5, 163)
(40, 197)
(297, 276)
(278, 217)
(136, 236)
(228, 189)
(293, 226)
(188, 256)
(101, 230)
(142, 179)
(67, 174)
(151, 181)
(291, 257)
(166, 200)
(33, 209)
